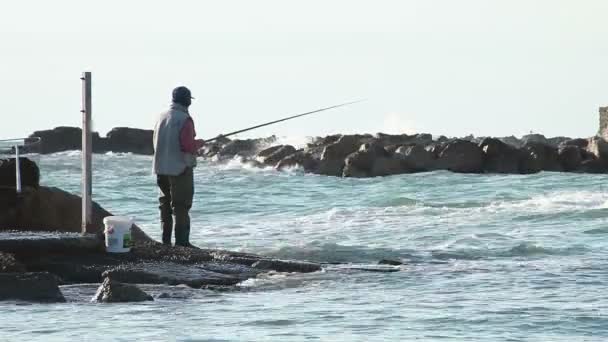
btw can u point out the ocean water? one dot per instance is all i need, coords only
(487, 258)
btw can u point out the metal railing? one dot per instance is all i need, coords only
(15, 144)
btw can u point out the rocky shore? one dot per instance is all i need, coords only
(41, 249)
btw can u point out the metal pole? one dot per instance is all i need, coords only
(87, 151)
(17, 170)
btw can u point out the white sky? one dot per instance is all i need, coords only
(449, 67)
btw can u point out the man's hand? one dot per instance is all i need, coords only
(200, 143)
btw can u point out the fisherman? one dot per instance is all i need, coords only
(175, 151)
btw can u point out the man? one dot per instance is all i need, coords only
(175, 149)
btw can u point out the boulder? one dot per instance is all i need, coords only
(556, 141)
(243, 148)
(271, 156)
(34, 287)
(301, 159)
(134, 140)
(546, 157)
(30, 174)
(51, 209)
(55, 140)
(582, 143)
(594, 166)
(500, 157)
(416, 157)
(387, 166)
(372, 160)
(570, 157)
(8, 264)
(598, 147)
(112, 291)
(512, 140)
(461, 156)
(534, 138)
(332, 160)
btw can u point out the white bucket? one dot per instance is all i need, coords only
(118, 234)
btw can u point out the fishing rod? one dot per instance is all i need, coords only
(281, 120)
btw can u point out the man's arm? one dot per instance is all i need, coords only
(187, 138)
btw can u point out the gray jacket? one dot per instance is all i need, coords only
(169, 159)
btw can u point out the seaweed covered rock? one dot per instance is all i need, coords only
(112, 291)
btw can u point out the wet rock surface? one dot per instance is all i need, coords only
(112, 291)
(35, 287)
(75, 259)
(8, 264)
(196, 276)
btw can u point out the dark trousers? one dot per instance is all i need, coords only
(176, 194)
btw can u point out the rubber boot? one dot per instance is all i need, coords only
(167, 232)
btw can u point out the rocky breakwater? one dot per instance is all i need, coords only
(41, 249)
(382, 154)
(119, 139)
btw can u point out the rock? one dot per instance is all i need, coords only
(34, 287)
(582, 143)
(112, 291)
(275, 154)
(286, 266)
(299, 158)
(268, 151)
(169, 273)
(461, 156)
(512, 140)
(52, 209)
(598, 147)
(134, 140)
(534, 138)
(570, 157)
(8, 264)
(30, 174)
(389, 262)
(594, 166)
(387, 166)
(556, 141)
(500, 157)
(361, 163)
(332, 160)
(529, 163)
(57, 139)
(243, 148)
(416, 157)
(403, 139)
(545, 156)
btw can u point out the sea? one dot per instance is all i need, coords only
(485, 257)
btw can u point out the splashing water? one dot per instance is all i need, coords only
(487, 257)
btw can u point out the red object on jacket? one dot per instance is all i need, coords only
(187, 138)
